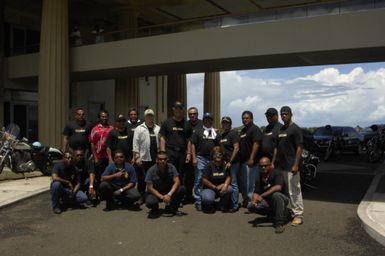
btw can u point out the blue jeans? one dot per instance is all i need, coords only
(208, 197)
(58, 191)
(234, 183)
(248, 178)
(198, 171)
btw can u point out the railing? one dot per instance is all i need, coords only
(333, 8)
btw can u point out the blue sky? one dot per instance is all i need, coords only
(351, 94)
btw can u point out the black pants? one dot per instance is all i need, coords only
(100, 167)
(152, 201)
(178, 159)
(275, 206)
(106, 190)
(141, 175)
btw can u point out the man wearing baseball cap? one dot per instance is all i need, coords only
(230, 144)
(145, 147)
(174, 134)
(270, 133)
(119, 138)
(287, 158)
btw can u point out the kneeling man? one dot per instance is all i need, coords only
(163, 185)
(269, 197)
(118, 181)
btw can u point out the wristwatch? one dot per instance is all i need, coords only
(169, 194)
(121, 190)
(91, 186)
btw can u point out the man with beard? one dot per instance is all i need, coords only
(98, 139)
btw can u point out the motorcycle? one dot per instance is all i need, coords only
(308, 168)
(21, 157)
(335, 148)
(376, 146)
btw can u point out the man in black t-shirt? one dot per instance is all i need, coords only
(86, 172)
(250, 140)
(174, 133)
(270, 133)
(269, 196)
(202, 142)
(119, 139)
(163, 185)
(65, 184)
(133, 119)
(76, 133)
(230, 144)
(287, 156)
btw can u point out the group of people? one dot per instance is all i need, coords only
(183, 161)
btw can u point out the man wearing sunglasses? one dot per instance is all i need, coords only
(269, 197)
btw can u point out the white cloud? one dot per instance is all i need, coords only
(326, 97)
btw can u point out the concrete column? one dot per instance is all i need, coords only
(212, 96)
(176, 91)
(127, 89)
(53, 87)
(126, 95)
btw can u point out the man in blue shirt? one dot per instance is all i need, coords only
(118, 182)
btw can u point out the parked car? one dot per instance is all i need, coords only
(351, 139)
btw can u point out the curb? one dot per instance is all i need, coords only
(363, 211)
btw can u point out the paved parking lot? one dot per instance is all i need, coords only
(331, 228)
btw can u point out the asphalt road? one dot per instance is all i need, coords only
(331, 226)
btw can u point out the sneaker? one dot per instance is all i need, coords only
(57, 211)
(168, 212)
(153, 214)
(279, 229)
(198, 207)
(297, 221)
(233, 210)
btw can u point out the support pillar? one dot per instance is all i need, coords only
(212, 96)
(176, 91)
(127, 89)
(126, 95)
(53, 90)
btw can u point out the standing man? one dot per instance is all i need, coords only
(174, 134)
(163, 185)
(230, 144)
(76, 133)
(119, 139)
(270, 133)
(98, 139)
(194, 124)
(202, 143)
(65, 186)
(250, 140)
(118, 181)
(287, 157)
(133, 119)
(145, 147)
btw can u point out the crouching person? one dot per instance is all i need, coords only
(216, 183)
(270, 197)
(163, 185)
(65, 185)
(118, 183)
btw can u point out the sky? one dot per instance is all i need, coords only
(350, 95)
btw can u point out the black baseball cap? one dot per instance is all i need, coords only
(120, 118)
(226, 119)
(208, 115)
(178, 104)
(285, 109)
(271, 112)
